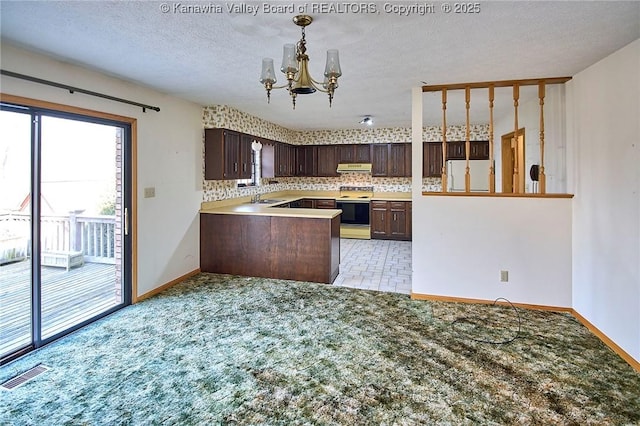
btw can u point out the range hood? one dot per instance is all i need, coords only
(354, 167)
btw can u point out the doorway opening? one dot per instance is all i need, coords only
(513, 173)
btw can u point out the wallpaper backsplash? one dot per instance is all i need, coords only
(223, 116)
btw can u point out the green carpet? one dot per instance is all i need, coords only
(221, 349)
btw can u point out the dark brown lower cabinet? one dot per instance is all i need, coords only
(325, 204)
(304, 203)
(314, 203)
(391, 220)
(290, 248)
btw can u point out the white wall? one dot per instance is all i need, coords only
(460, 245)
(169, 157)
(603, 104)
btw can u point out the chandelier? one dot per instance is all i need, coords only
(295, 65)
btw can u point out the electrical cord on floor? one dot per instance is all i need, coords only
(472, 320)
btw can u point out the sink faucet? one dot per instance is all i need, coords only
(256, 198)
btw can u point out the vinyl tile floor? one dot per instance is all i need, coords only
(375, 265)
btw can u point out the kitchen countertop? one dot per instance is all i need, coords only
(243, 205)
(391, 196)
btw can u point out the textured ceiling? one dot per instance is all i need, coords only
(215, 58)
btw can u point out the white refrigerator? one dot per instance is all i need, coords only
(478, 170)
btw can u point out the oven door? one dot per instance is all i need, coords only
(354, 212)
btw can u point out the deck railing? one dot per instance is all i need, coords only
(94, 236)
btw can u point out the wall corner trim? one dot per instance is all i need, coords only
(163, 287)
(607, 341)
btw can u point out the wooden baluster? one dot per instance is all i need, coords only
(516, 174)
(443, 171)
(467, 145)
(492, 163)
(542, 179)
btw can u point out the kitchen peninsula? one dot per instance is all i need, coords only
(263, 240)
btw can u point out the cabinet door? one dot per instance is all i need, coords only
(398, 220)
(327, 160)
(282, 159)
(407, 159)
(308, 203)
(396, 160)
(325, 204)
(363, 153)
(246, 159)
(213, 154)
(346, 153)
(279, 171)
(432, 159)
(456, 151)
(379, 219)
(379, 159)
(300, 163)
(305, 160)
(231, 142)
(292, 160)
(286, 159)
(310, 159)
(479, 150)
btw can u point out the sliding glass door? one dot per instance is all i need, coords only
(15, 231)
(65, 203)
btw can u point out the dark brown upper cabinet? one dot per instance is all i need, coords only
(432, 154)
(327, 160)
(226, 155)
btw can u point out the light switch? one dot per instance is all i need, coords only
(150, 192)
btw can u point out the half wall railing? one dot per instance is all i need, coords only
(491, 85)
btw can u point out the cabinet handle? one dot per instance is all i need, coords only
(235, 167)
(244, 167)
(395, 217)
(382, 217)
(126, 221)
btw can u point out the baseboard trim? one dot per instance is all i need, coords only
(592, 328)
(418, 296)
(607, 341)
(166, 286)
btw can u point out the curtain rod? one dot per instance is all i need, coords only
(72, 89)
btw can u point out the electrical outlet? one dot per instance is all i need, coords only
(504, 276)
(149, 192)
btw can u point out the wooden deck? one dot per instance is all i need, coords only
(68, 298)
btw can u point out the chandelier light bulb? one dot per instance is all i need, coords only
(289, 61)
(268, 74)
(332, 68)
